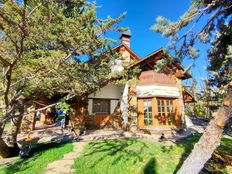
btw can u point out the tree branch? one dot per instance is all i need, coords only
(32, 11)
(213, 17)
(195, 23)
(9, 21)
(4, 60)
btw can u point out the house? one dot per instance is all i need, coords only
(155, 100)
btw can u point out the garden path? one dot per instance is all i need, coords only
(64, 165)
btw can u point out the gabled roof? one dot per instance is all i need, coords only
(137, 58)
(150, 60)
(188, 97)
(149, 56)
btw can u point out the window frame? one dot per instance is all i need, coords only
(168, 110)
(94, 112)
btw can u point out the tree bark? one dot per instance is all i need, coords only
(4, 149)
(210, 140)
(11, 139)
(9, 148)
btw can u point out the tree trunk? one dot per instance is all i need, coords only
(5, 150)
(10, 147)
(1, 128)
(210, 140)
(11, 138)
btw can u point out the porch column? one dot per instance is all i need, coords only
(124, 106)
(133, 110)
(181, 102)
(28, 121)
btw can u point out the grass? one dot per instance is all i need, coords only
(221, 161)
(129, 156)
(226, 146)
(42, 155)
(135, 156)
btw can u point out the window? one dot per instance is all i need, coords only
(154, 112)
(101, 106)
(147, 110)
(165, 111)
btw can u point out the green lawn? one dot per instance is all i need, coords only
(134, 156)
(43, 154)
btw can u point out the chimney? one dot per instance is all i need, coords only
(125, 37)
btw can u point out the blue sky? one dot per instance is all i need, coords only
(140, 16)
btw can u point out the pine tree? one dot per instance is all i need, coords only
(216, 32)
(49, 48)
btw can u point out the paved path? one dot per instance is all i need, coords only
(64, 165)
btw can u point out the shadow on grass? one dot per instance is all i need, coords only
(150, 167)
(118, 148)
(166, 149)
(35, 153)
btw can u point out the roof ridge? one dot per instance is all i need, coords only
(128, 48)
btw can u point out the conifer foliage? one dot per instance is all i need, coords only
(191, 28)
(49, 47)
(216, 32)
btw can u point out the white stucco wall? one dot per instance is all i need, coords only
(157, 91)
(111, 91)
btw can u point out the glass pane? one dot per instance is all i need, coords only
(158, 102)
(162, 109)
(171, 102)
(145, 110)
(149, 103)
(145, 122)
(101, 106)
(150, 122)
(162, 103)
(159, 110)
(150, 115)
(150, 109)
(167, 102)
(144, 103)
(171, 109)
(145, 115)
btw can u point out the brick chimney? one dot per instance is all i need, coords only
(125, 37)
